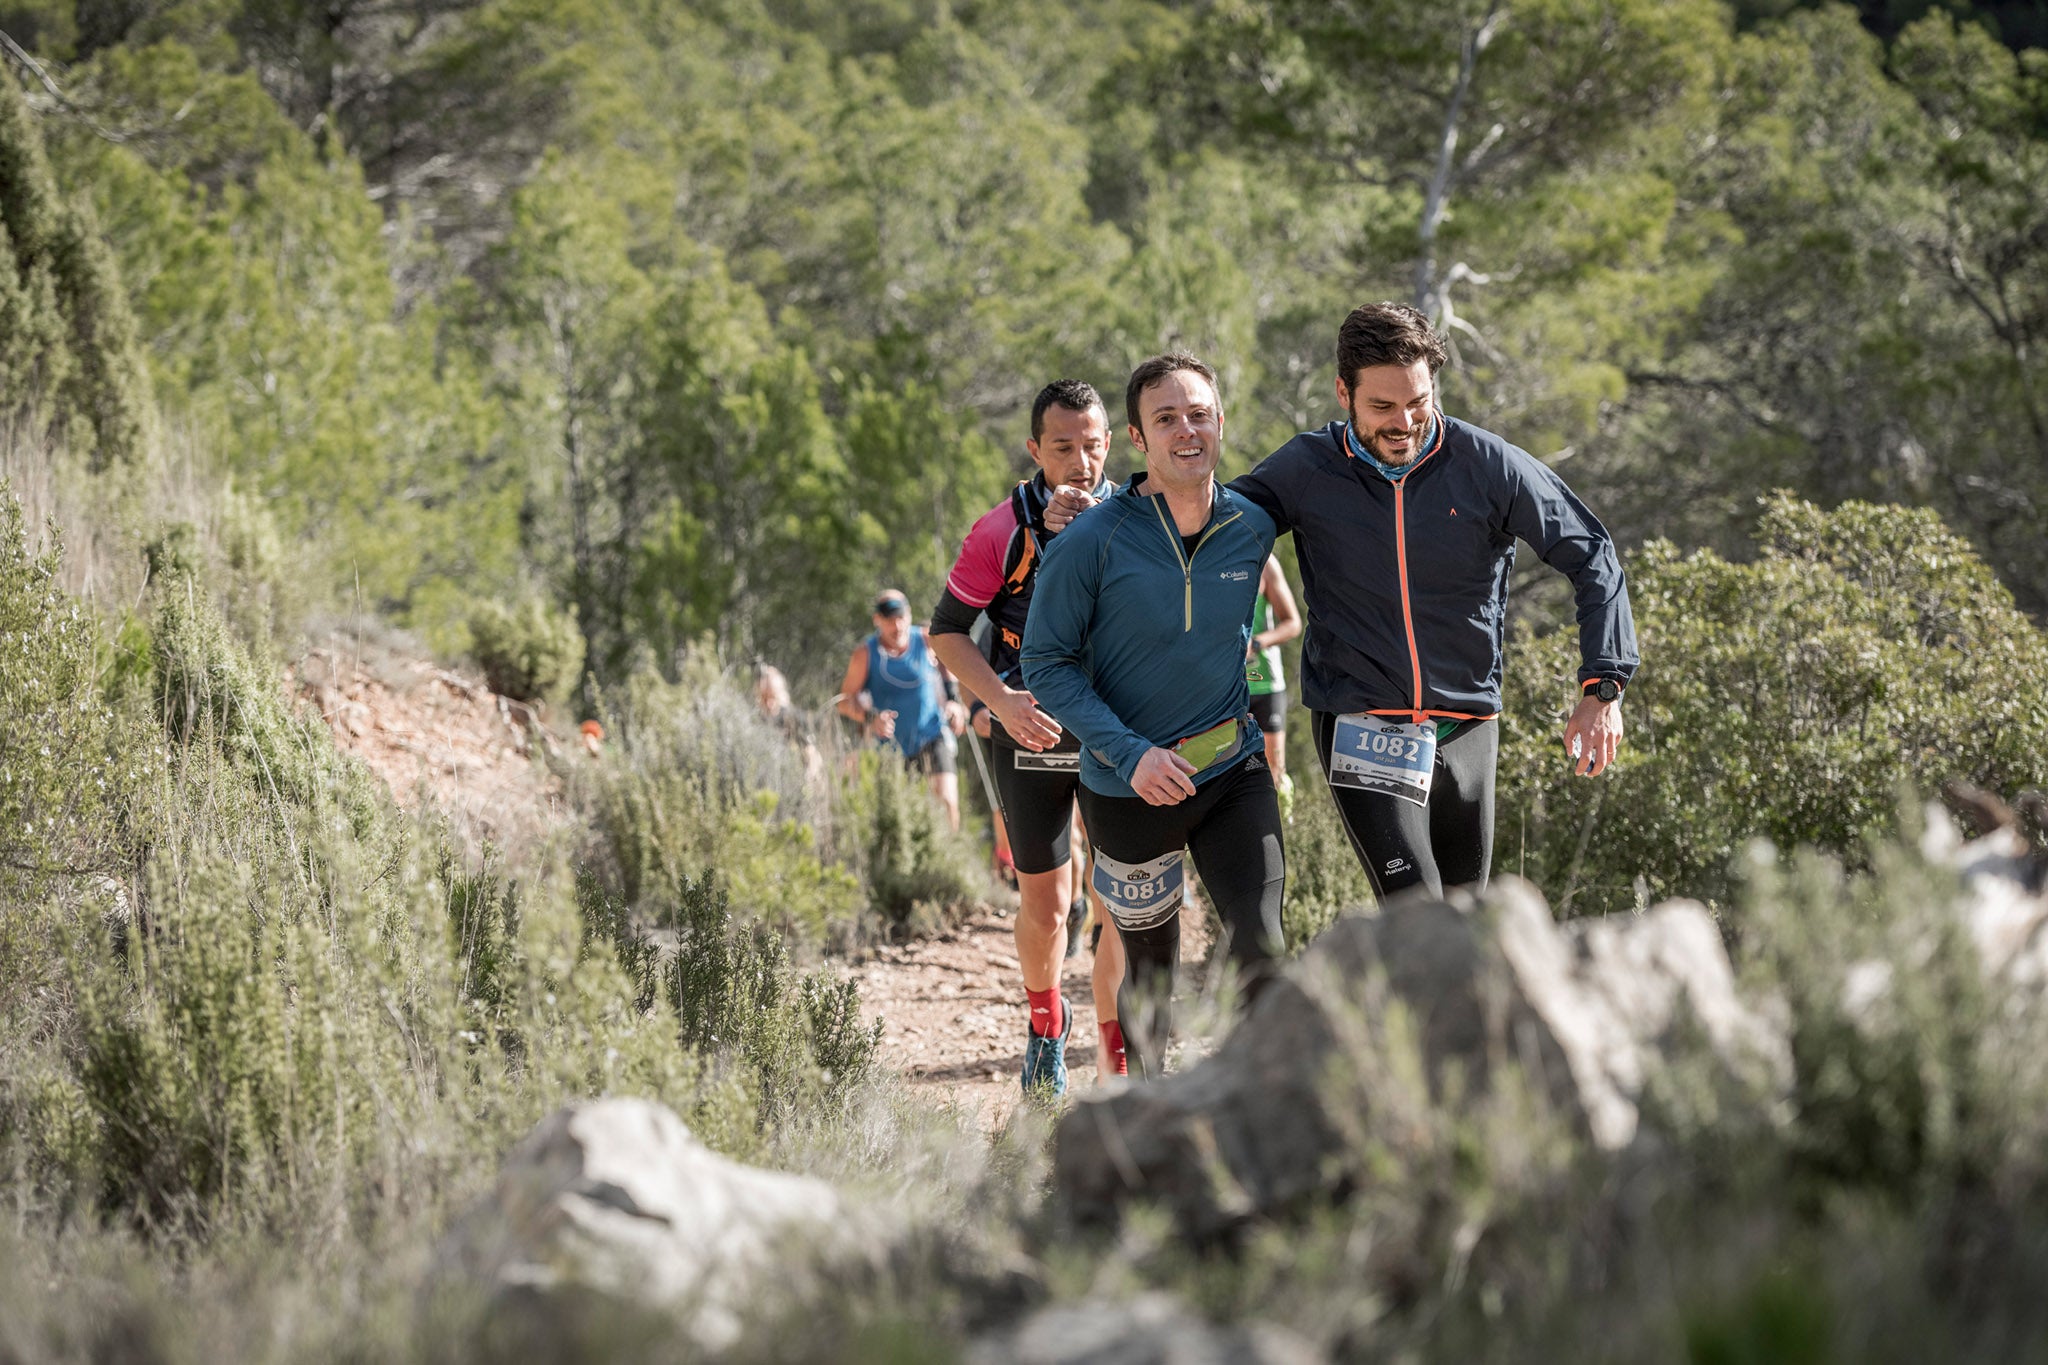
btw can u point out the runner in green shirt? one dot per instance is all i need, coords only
(1275, 620)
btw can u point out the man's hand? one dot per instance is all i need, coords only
(1064, 505)
(1029, 726)
(1592, 735)
(1162, 778)
(956, 716)
(882, 725)
(980, 723)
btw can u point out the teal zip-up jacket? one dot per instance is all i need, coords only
(1133, 643)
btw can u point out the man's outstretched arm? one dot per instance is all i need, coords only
(1571, 540)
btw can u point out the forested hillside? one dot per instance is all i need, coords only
(607, 347)
(706, 320)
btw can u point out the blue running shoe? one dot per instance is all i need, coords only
(1045, 1059)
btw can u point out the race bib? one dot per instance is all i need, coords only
(1382, 754)
(1050, 761)
(1141, 895)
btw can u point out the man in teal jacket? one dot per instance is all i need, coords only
(1136, 642)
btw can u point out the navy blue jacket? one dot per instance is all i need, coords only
(1406, 584)
(1132, 643)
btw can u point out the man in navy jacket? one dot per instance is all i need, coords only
(1405, 522)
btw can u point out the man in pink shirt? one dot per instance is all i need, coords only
(1037, 765)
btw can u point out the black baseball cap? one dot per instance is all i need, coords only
(892, 603)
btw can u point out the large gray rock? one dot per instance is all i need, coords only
(614, 1200)
(2003, 904)
(1153, 1329)
(1585, 1014)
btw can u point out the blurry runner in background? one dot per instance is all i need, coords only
(771, 695)
(1275, 620)
(899, 694)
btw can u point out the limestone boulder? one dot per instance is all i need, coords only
(615, 1202)
(2004, 904)
(1584, 1013)
(1153, 1329)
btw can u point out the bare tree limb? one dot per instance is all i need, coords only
(29, 65)
(1436, 198)
(1715, 387)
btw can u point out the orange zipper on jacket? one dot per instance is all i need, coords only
(1417, 713)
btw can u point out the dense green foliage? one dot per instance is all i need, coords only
(1864, 653)
(712, 320)
(825, 846)
(528, 653)
(68, 356)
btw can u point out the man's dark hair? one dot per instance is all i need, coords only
(1075, 395)
(1386, 334)
(1156, 369)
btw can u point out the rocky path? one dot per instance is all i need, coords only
(952, 1009)
(953, 1013)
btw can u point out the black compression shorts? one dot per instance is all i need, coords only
(1037, 794)
(1270, 711)
(1449, 842)
(1231, 827)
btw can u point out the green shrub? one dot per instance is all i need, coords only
(1789, 699)
(1323, 875)
(323, 1016)
(1913, 1084)
(70, 767)
(529, 653)
(735, 995)
(914, 866)
(693, 778)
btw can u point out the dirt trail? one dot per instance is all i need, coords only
(953, 1012)
(952, 1006)
(427, 729)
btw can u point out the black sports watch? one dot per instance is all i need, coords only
(1606, 689)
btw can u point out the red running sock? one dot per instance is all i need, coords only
(1048, 1014)
(1114, 1062)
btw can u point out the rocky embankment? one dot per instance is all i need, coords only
(1385, 1025)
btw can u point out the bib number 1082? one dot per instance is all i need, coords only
(1380, 754)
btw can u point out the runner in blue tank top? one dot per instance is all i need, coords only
(899, 694)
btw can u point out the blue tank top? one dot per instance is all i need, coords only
(907, 684)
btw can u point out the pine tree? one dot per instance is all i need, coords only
(68, 350)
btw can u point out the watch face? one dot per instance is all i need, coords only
(1607, 689)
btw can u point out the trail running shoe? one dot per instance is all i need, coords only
(1077, 921)
(1045, 1059)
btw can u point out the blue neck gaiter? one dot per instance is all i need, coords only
(1392, 473)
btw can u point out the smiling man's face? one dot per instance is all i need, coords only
(1389, 407)
(1180, 429)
